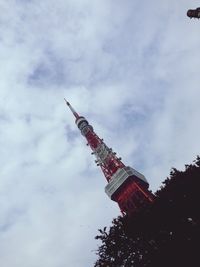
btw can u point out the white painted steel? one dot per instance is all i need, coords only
(120, 177)
(102, 152)
(83, 126)
(80, 120)
(86, 129)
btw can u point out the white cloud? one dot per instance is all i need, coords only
(133, 70)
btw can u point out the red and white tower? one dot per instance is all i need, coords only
(126, 186)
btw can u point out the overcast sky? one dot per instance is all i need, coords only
(132, 68)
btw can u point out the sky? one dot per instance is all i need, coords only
(132, 69)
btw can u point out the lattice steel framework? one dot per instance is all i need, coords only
(126, 186)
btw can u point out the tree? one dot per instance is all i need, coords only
(165, 233)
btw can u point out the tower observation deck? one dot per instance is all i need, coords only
(126, 186)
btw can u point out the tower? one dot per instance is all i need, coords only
(126, 186)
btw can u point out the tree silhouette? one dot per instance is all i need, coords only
(165, 233)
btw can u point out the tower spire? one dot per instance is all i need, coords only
(72, 109)
(126, 186)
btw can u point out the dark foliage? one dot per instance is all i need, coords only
(163, 234)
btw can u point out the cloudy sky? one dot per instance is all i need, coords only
(133, 69)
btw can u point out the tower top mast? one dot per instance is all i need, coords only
(72, 109)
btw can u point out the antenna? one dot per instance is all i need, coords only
(72, 109)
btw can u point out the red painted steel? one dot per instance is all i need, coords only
(132, 194)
